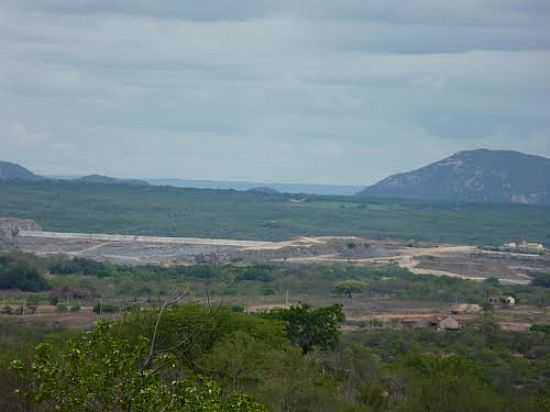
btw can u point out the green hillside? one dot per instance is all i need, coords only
(71, 206)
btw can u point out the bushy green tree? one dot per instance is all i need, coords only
(309, 328)
(19, 271)
(349, 287)
(191, 331)
(448, 383)
(99, 371)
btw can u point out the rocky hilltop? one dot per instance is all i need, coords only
(474, 176)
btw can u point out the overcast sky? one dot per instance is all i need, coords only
(316, 91)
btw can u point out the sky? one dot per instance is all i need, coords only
(306, 91)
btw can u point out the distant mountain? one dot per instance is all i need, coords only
(295, 188)
(111, 180)
(13, 171)
(264, 189)
(477, 176)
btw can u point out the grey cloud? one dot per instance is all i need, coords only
(315, 91)
(464, 12)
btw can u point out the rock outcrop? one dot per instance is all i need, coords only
(10, 227)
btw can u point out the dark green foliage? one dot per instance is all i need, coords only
(349, 287)
(75, 308)
(193, 330)
(78, 265)
(17, 340)
(540, 328)
(308, 328)
(142, 210)
(492, 282)
(257, 273)
(20, 271)
(541, 279)
(61, 308)
(101, 371)
(478, 369)
(448, 384)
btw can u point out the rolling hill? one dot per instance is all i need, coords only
(13, 171)
(99, 179)
(490, 176)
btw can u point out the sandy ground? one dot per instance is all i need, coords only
(465, 262)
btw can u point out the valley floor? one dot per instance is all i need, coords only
(466, 262)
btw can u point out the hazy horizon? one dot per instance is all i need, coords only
(314, 92)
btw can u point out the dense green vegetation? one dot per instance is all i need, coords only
(193, 358)
(257, 280)
(74, 207)
(102, 371)
(218, 358)
(19, 271)
(86, 280)
(308, 328)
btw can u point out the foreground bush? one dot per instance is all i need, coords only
(99, 371)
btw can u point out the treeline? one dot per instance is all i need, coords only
(195, 358)
(27, 272)
(321, 280)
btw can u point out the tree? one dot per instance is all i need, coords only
(308, 327)
(190, 331)
(19, 271)
(448, 383)
(101, 371)
(348, 287)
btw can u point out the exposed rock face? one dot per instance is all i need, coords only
(478, 176)
(10, 227)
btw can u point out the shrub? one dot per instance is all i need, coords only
(61, 308)
(540, 328)
(18, 271)
(237, 308)
(86, 267)
(257, 273)
(75, 308)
